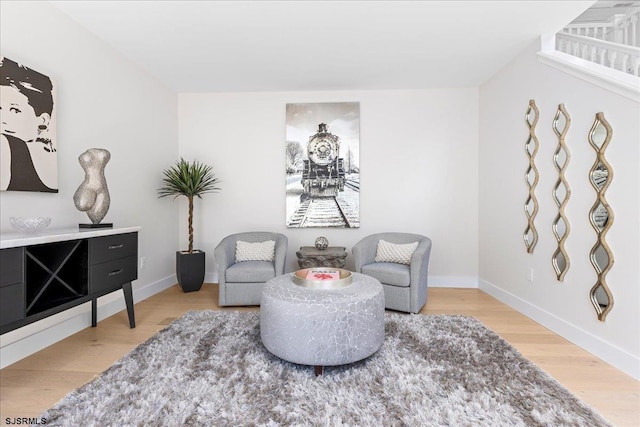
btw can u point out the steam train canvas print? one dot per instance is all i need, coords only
(323, 165)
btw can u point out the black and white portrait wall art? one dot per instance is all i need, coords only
(28, 149)
(323, 165)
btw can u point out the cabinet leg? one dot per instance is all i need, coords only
(94, 312)
(128, 299)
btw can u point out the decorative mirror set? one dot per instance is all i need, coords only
(561, 192)
(600, 215)
(531, 177)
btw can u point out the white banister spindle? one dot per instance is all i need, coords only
(601, 57)
(594, 52)
(617, 32)
(612, 59)
(636, 66)
(625, 33)
(623, 63)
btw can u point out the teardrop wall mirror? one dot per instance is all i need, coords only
(531, 177)
(601, 216)
(561, 193)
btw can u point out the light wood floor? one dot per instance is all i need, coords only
(36, 383)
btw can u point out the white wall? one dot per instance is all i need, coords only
(102, 101)
(418, 161)
(562, 306)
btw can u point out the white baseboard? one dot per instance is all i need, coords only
(615, 356)
(211, 277)
(22, 342)
(453, 282)
(434, 281)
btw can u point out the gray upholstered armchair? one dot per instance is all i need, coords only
(405, 285)
(241, 283)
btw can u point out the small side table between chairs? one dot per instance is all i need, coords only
(333, 256)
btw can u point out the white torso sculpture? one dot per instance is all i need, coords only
(92, 196)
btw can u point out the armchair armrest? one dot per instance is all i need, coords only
(364, 252)
(225, 255)
(419, 267)
(280, 253)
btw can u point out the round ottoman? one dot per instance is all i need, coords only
(322, 327)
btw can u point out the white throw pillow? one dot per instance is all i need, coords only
(259, 251)
(398, 253)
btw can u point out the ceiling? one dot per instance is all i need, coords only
(237, 46)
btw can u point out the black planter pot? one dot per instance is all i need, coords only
(190, 270)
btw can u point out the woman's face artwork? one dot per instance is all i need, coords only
(17, 117)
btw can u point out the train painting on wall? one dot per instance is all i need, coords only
(323, 165)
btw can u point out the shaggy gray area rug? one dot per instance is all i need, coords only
(209, 368)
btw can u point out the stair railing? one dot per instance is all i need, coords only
(613, 55)
(596, 30)
(620, 28)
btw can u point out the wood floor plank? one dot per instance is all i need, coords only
(30, 386)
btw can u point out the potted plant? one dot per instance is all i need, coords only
(189, 179)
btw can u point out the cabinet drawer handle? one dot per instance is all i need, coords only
(116, 246)
(115, 272)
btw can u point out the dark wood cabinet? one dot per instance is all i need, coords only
(41, 279)
(113, 260)
(55, 274)
(109, 276)
(108, 248)
(11, 286)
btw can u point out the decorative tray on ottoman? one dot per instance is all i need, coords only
(323, 278)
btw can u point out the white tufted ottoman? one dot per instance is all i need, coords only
(322, 327)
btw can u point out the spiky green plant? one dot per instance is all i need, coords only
(189, 179)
